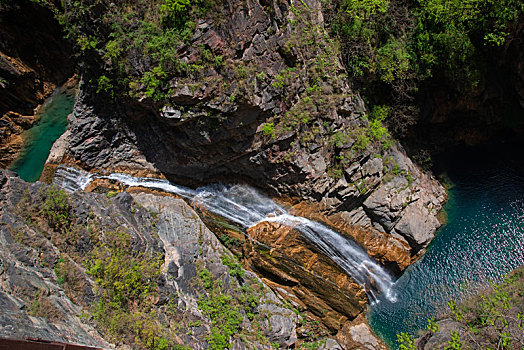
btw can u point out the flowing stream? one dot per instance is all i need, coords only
(246, 207)
(39, 139)
(482, 240)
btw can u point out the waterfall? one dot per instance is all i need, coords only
(245, 206)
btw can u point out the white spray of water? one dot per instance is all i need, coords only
(245, 206)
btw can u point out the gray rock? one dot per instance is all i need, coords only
(417, 225)
(330, 344)
(372, 167)
(160, 224)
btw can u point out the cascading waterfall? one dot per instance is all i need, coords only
(246, 207)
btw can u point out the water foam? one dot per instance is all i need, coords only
(246, 207)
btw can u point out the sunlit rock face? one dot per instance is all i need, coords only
(40, 301)
(308, 277)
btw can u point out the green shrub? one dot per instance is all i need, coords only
(269, 129)
(175, 7)
(225, 319)
(124, 276)
(57, 208)
(235, 268)
(490, 320)
(105, 85)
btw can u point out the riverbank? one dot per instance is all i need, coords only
(51, 123)
(493, 319)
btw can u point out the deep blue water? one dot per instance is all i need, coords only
(39, 139)
(481, 241)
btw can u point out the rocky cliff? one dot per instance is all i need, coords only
(254, 92)
(67, 260)
(277, 113)
(35, 59)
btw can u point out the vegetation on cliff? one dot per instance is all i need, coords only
(138, 43)
(394, 49)
(116, 267)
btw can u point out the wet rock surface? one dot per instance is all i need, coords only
(36, 303)
(255, 127)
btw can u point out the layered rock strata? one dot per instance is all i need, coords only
(40, 301)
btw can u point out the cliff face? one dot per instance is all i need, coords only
(34, 60)
(275, 111)
(54, 267)
(278, 113)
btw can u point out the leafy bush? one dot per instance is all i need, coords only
(126, 283)
(225, 319)
(235, 268)
(392, 49)
(269, 129)
(124, 276)
(57, 208)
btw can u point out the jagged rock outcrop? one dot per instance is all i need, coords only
(279, 114)
(41, 299)
(304, 276)
(357, 335)
(34, 60)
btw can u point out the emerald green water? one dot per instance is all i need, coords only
(482, 240)
(40, 138)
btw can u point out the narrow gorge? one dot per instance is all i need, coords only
(261, 174)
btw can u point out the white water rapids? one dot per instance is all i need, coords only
(245, 206)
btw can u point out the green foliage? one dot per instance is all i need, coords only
(225, 319)
(269, 129)
(111, 194)
(377, 131)
(59, 272)
(313, 345)
(224, 305)
(362, 141)
(57, 208)
(206, 278)
(230, 241)
(235, 268)
(457, 315)
(491, 320)
(124, 276)
(86, 42)
(153, 82)
(126, 283)
(365, 8)
(406, 341)
(393, 61)
(152, 33)
(454, 343)
(432, 326)
(175, 7)
(105, 85)
(392, 49)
